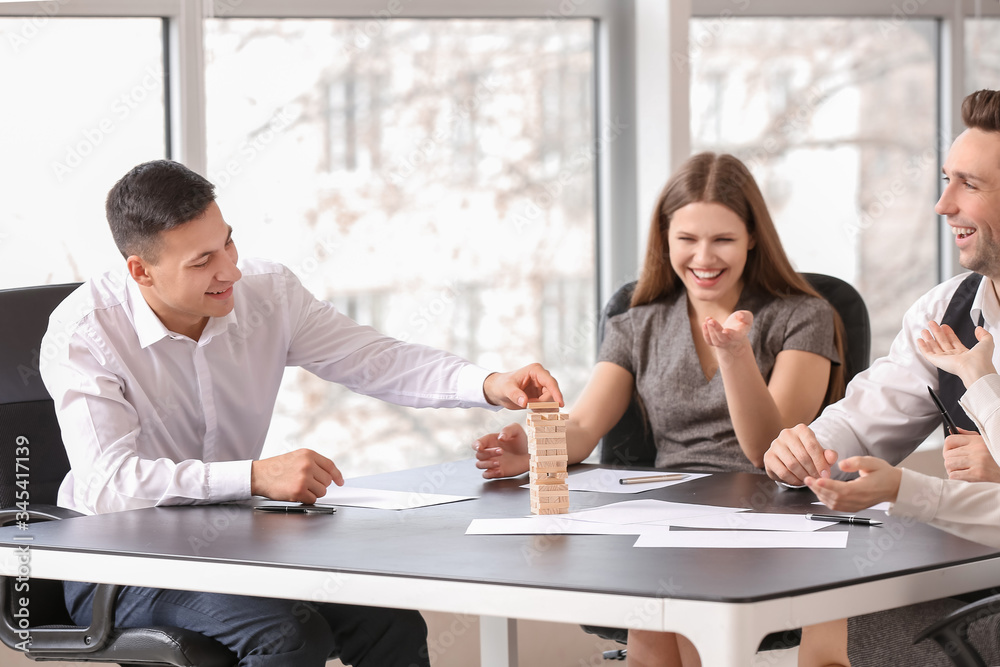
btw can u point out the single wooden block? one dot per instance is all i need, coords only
(560, 488)
(553, 500)
(538, 418)
(544, 462)
(552, 468)
(548, 428)
(543, 405)
(548, 477)
(549, 450)
(554, 485)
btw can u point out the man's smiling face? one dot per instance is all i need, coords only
(971, 200)
(193, 277)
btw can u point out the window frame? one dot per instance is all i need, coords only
(615, 132)
(641, 81)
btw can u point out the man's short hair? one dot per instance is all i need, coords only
(151, 198)
(981, 110)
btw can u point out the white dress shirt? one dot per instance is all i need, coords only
(967, 509)
(887, 411)
(151, 417)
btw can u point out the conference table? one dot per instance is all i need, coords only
(723, 600)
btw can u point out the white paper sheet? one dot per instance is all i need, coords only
(747, 521)
(882, 507)
(646, 511)
(352, 496)
(742, 539)
(605, 480)
(547, 524)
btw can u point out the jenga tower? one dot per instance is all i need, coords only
(547, 449)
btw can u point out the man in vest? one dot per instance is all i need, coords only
(888, 411)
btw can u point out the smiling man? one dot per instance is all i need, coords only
(887, 411)
(165, 377)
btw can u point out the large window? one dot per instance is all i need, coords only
(437, 171)
(836, 119)
(982, 54)
(432, 178)
(83, 101)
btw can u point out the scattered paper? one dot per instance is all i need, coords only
(646, 511)
(742, 539)
(747, 521)
(547, 524)
(605, 480)
(350, 496)
(884, 507)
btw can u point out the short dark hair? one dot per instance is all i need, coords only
(981, 110)
(151, 198)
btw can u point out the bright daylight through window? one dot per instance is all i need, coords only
(814, 106)
(434, 179)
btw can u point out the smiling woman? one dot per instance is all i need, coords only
(724, 344)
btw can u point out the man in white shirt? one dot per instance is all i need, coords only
(887, 411)
(164, 380)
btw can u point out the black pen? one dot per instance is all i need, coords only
(297, 509)
(948, 421)
(844, 518)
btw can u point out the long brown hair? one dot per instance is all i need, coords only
(723, 179)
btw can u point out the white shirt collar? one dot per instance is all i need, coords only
(986, 304)
(150, 329)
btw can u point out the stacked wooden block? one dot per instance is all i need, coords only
(547, 449)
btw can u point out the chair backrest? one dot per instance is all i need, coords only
(27, 414)
(854, 314)
(630, 442)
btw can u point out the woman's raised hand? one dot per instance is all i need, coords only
(731, 336)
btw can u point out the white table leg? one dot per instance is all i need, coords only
(727, 637)
(497, 641)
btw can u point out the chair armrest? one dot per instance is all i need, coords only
(951, 632)
(52, 639)
(55, 640)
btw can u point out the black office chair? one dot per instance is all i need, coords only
(27, 418)
(630, 443)
(951, 632)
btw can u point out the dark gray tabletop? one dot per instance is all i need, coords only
(430, 542)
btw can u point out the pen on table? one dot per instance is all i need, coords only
(948, 421)
(844, 518)
(296, 509)
(652, 478)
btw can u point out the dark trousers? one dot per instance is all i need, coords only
(271, 632)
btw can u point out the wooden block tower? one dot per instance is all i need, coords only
(547, 449)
